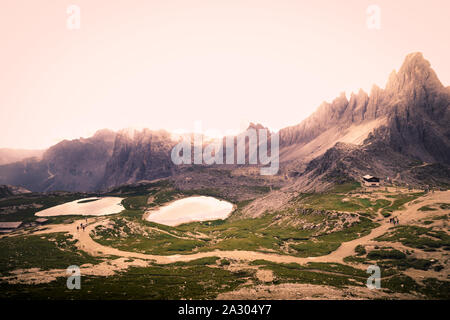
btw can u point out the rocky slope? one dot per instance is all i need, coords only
(143, 155)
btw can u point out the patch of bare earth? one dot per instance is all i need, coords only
(106, 268)
(298, 291)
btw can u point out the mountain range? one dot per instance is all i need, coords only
(401, 132)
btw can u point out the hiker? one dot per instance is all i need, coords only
(78, 228)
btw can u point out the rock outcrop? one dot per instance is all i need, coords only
(8, 191)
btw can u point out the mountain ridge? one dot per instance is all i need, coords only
(405, 122)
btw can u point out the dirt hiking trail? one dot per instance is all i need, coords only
(408, 215)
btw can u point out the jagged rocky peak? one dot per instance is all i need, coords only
(332, 111)
(415, 109)
(415, 71)
(359, 97)
(340, 103)
(415, 92)
(357, 106)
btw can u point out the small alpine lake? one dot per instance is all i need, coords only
(197, 208)
(85, 207)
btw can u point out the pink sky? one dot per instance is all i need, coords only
(167, 63)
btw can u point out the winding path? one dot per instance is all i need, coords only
(410, 214)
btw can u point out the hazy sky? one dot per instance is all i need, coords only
(167, 63)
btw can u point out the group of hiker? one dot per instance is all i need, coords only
(394, 220)
(82, 226)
